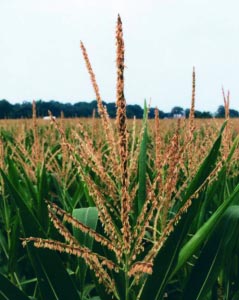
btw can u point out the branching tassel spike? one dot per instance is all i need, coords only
(192, 110)
(122, 130)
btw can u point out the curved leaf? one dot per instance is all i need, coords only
(89, 217)
(215, 254)
(9, 291)
(143, 164)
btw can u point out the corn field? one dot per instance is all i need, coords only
(97, 209)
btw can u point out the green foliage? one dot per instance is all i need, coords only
(53, 280)
(89, 217)
(9, 291)
(143, 163)
(206, 231)
(217, 259)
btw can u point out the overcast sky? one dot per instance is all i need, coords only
(40, 57)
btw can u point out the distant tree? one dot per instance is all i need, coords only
(16, 111)
(233, 113)
(167, 115)
(68, 110)
(187, 112)
(198, 114)
(161, 114)
(177, 111)
(111, 108)
(202, 114)
(85, 109)
(5, 109)
(42, 108)
(82, 109)
(220, 113)
(23, 110)
(55, 108)
(206, 115)
(134, 111)
(152, 113)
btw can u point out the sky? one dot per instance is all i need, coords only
(40, 56)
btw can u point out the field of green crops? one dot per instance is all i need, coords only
(98, 209)
(159, 222)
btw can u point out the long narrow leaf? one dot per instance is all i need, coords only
(9, 291)
(89, 217)
(142, 164)
(199, 237)
(215, 254)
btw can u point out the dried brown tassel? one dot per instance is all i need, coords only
(133, 141)
(121, 103)
(158, 158)
(102, 112)
(226, 100)
(94, 126)
(143, 221)
(2, 162)
(91, 258)
(36, 149)
(141, 267)
(172, 222)
(122, 130)
(192, 109)
(62, 229)
(77, 224)
(227, 137)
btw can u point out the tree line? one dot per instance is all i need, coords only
(85, 109)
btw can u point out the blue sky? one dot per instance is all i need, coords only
(40, 57)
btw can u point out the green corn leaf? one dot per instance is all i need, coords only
(233, 148)
(14, 251)
(204, 170)
(202, 234)
(214, 196)
(9, 291)
(218, 188)
(42, 193)
(89, 217)
(4, 245)
(143, 164)
(78, 195)
(236, 296)
(215, 255)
